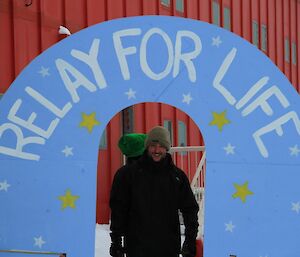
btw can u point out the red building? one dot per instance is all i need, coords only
(28, 27)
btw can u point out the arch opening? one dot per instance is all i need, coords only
(187, 152)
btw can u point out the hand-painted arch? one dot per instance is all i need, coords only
(59, 105)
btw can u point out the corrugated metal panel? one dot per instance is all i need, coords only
(96, 12)
(263, 18)
(192, 9)
(205, 12)
(52, 16)
(298, 44)
(151, 115)
(287, 35)
(236, 17)
(75, 15)
(279, 34)
(271, 26)
(139, 121)
(26, 25)
(293, 31)
(246, 20)
(150, 7)
(7, 74)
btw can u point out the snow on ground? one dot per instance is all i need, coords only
(102, 241)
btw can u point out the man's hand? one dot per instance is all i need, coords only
(116, 250)
(189, 248)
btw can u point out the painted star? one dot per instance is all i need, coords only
(242, 191)
(216, 41)
(219, 119)
(89, 121)
(38, 241)
(130, 94)
(229, 149)
(44, 71)
(67, 151)
(229, 226)
(4, 186)
(294, 150)
(296, 207)
(187, 98)
(68, 200)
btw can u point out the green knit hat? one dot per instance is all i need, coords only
(132, 145)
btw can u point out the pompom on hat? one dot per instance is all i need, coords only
(159, 135)
(132, 145)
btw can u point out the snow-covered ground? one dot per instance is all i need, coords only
(102, 241)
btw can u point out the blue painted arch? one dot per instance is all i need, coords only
(53, 115)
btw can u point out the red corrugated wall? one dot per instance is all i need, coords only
(28, 27)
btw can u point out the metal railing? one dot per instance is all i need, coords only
(191, 159)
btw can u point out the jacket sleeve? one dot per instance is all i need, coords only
(189, 209)
(119, 202)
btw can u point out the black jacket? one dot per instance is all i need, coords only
(144, 201)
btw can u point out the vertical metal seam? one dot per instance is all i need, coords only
(12, 7)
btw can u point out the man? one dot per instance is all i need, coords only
(145, 199)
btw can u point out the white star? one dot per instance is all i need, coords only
(229, 149)
(67, 151)
(216, 41)
(130, 93)
(229, 226)
(187, 98)
(44, 71)
(294, 150)
(4, 186)
(296, 207)
(265, 256)
(38, 241)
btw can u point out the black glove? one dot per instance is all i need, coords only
(189, 248)
(116, 249)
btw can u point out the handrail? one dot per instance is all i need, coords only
(199, 169)
(186, 149)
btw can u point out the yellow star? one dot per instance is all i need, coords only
(89, 121)
(219, 120)
(68, 200)
(242, 191)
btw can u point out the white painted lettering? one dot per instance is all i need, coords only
(65, 69)
(123, 52)
(220, 75)
(91, 60)
(275, 125)
(28, 124)
(49, 105)
(262, 101)
(143, 54)
(21, 142)
(251, 92)
(186, 57)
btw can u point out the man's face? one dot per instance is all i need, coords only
(156, 151)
